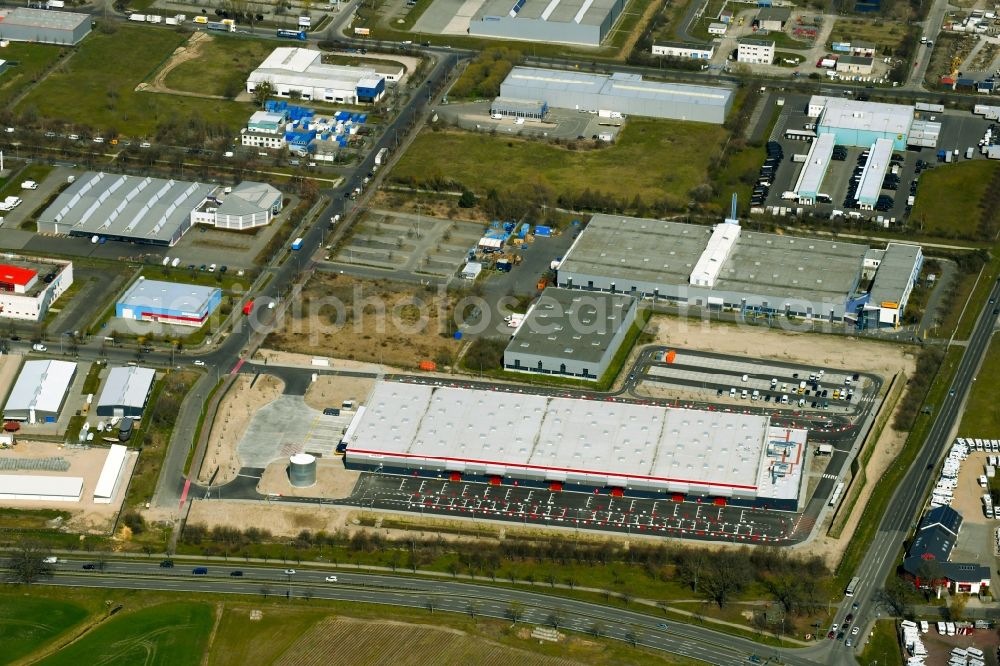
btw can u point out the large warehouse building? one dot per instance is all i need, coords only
(721, 267)
(168, 302)
(290, 69)
(126, 391)
(127, 208)
(29, 286)
(39, 391)
(577, 444)
(572, 333)
(861, 124)
(584, 22)
(627, 94)
(44, 26)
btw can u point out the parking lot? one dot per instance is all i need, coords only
(288, 426)
(535, 506)
(411, 243)
(959, 131)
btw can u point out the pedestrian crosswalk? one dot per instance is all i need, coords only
(830, 476)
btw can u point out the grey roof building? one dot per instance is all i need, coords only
(39, 391)
(248, 205)
(44, 26)
(126, 391)
(147, 210)
(722, 267)
(773, 18)
(898, 269)
(584, 22)
(571, 332)
(620, 92)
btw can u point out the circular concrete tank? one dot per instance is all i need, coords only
(302, 470)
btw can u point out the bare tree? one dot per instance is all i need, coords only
(515, 611)
(27, 564)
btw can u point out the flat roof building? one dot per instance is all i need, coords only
(39, 391)
(773, 18)
(244, 206)
(586, 444)
(570, 332)
(44, 26)
(755, 51)
(583, 22)
(290, 69)
(815, 168)
(898, 270)
(146, 210)
(852, 64)
(873, 174)
(684, 49)
(30, 285)
(657, 259)
(620, 92)
(126, 391)
(860, 124)
(168, 302)
(40, 488)
(112, 475)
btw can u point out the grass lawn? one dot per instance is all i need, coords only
(29, 518)
(938, 212)
(97, 87)
(25, 63)
(27, 623)
(981, 417)
(974, 296)
(171, 633)
(665, 159)
(883, 646)
(887, 34)
(222, 66)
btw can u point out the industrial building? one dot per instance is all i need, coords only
(724, 267)
(39, 391)
(29, 286)
(112, 475)
(898, 267)
(126, 391)
(44, 26)
(684, 50)
(517, 108)
(851, 64)
(582, 22)
(873, 174)
(860, 124)
(290, 69)
(815, 168)
(245, 206)
(168, 302)
(41, 488)
(572, 333)
(578, 444)
(146, 210)
(618, 93)
(773, 18)
(753, 51)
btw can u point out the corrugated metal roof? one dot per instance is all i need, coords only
(127, 387)
(874, 172)
(618, 84)
(41, 386)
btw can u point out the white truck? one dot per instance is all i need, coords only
(138, 18)
(380, 156)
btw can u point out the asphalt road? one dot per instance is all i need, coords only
(444, 595)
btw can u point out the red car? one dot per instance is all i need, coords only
(830, 634)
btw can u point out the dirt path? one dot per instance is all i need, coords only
(181, 55)
(636, 32)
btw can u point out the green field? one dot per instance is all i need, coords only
(171, 633)
(26, 62)
(222, 66)
(939, 212)
(883, 648)
(97, 86)
(981, 417)
(27, 623)
(664, 159)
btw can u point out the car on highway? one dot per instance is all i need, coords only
(236, 574)
(39, 347)
(849, 642)
(289, 572)
(200, 363)
(848, 619)
(200, 571)
(661, 625)
(831, 634)
(840, 635)
(854, 606)
(856, 630)
(89, 567)
(167, 564)
(331, 579)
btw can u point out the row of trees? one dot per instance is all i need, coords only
(483, 76)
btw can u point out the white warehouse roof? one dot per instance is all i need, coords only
(874, 172)
(857, 115)
(41, 488)
(108, 482)
(126, 387)
(41, 386)
(817, 162)
(576, 440)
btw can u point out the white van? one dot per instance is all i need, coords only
(732, 392)
(745, 378)
(784, 399)
(756, 395)
(166, 260)
(175, 263)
